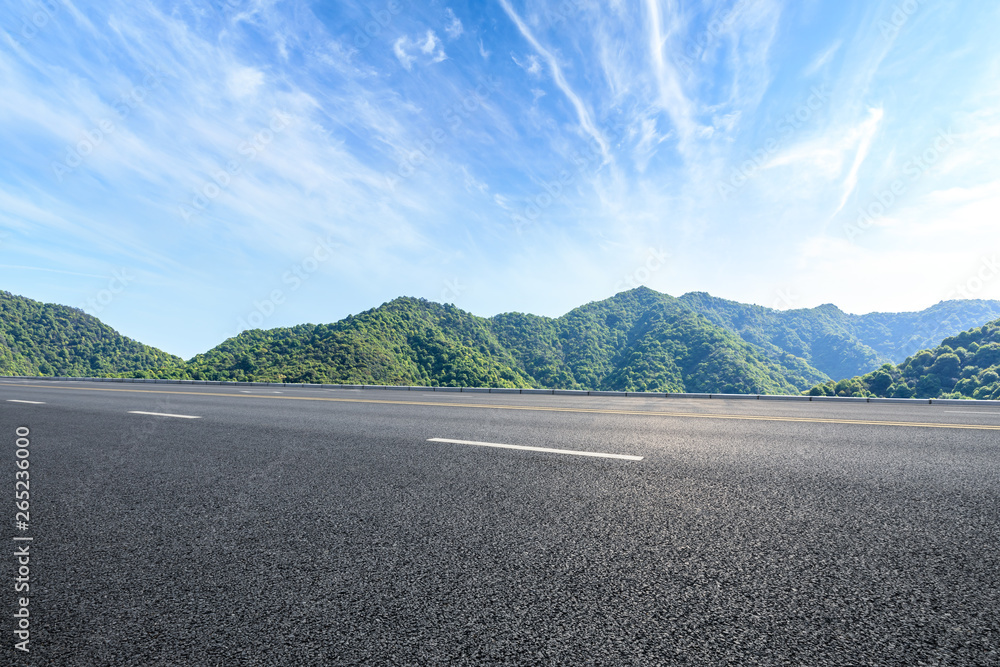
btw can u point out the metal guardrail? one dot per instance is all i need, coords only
(504, 390)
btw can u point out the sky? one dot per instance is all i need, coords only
(188, 170)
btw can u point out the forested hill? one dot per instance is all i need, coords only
(640, 340)
(635, 341)
(403, 342)
(962, 366)
(836, 343)
(48, 339)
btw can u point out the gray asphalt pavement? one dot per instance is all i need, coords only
(288, 526)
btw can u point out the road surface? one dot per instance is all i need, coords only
(190, 525)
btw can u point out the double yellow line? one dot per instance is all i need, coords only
(540, 408)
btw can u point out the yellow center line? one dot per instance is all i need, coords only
(535, 408)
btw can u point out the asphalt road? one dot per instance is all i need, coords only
(307, 526)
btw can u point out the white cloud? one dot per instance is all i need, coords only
(819, 159)
(866, 134)
(671, 95)
(531, 65)
(964, 195)
(454, 28)
(428, 49)
(648, 139)
(583, 113)
(430, 42)
(399, 48)
(727, 121)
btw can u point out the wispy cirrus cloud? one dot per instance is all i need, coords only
(823, 59)
(671, 96)
(583, 113)
(865, 136)
(427, 48)
(453, 27)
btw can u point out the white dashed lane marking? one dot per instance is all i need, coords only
(163, 414)
(602, 455)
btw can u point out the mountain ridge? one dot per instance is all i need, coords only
(851, 344)
(636, 340)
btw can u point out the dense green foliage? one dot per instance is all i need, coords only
(404, 342)
(963, 366)
(640, 340)
(636, 341)
(47, 339)
(837, 344)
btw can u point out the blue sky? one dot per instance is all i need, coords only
(184, 171)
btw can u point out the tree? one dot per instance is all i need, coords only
(928, 386)
(880, 382)
(946, 365)
(902, 391)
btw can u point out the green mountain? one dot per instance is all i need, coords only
(962, 366)
(838, 344)
(404, 342)
(47, 339)
(640, 340)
